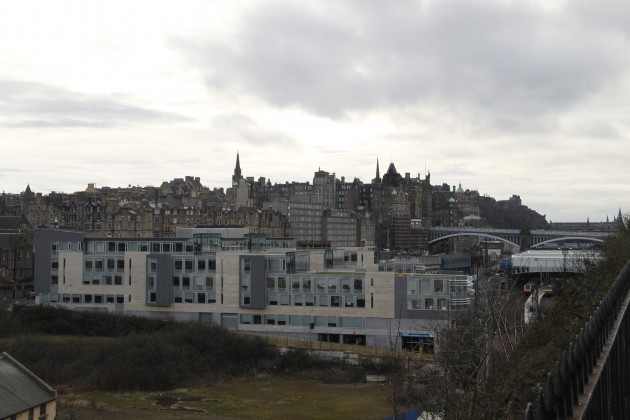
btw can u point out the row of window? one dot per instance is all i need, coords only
(186, 297)
(196, 283)
(428, 303)
(87, 298)
(104, 264)
(317, 284)
(105, 279)
(334, 301)
(188, 265)
(302, 320)
(133, 246)
(427, 286)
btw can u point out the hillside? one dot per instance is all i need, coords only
(510, 214)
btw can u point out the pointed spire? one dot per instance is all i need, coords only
(237, 171)
(378, 172)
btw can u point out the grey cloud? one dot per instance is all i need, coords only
(510, 66)
(35, 105)
(247, 130)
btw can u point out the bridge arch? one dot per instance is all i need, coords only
(568, 238)
(485, 235)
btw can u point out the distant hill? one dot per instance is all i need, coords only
(510, 214)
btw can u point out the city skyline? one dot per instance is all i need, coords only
(527, 98)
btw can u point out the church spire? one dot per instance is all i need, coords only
(378, 174)
(237, 172)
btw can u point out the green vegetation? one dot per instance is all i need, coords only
(99, 351)
(512, 385)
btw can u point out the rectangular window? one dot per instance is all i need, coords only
(120, 264)
(306, 285)
(295, 285)
(358, 285)
(334, 301)
(442, 304)
(89, 264)
(209, 282)
(429, 303)
(273, 299)
(425, 287)
(412, 286)
(179, 265)
(186, 283)
(271, 283)
(346, 285)
(438, 287)
(201, 298)
(413, 304)
(189, 266)
(361, 302)
(282, 284)
(201, 265)
(285, 300)
(111, 263)
(332, 285)
(297, 300)
(118, 280)
(321, 286)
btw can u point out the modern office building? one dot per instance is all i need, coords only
(249, 282)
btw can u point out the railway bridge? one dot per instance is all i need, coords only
(518, 238)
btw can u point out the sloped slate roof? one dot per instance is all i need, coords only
(20, 389)
(9, 222)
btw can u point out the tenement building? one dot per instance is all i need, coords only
(249, 282)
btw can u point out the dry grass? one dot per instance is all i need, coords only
(262, 397)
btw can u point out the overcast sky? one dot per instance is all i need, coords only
(507, 97)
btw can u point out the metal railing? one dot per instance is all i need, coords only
(592, 379)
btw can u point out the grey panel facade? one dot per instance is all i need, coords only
(258, 281)
(44, 241)
(163, 286)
